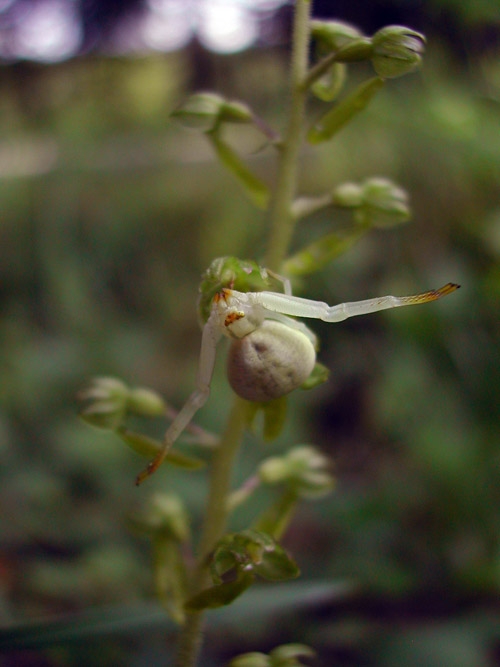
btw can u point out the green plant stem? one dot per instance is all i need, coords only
(282, 221)
(213, 528)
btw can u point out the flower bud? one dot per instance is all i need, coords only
(332, 35)
(163, 513)
(205, 111)
(396, 51)
(348, 195)
(200, 111)
(384, 204)
(106, 399)
(145, 402)
(273, 470)
(303, 469)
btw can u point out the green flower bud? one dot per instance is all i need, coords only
(200, 111)
(235, 112)
(273, 470)
(106, 400)
(145, 403)
(332, 35)
(163, 514)
(303, 469)
(309, 470)
(348, 195)
(396, 51)
(384, 204)
(205, 112)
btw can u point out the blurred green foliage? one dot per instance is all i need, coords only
(109, 215)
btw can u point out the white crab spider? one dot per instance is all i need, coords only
(271, 354)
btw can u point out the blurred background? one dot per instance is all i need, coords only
(109, 214)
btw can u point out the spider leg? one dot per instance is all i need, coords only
(210, 337)
(300, 307)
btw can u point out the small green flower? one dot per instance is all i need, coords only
(304, 469)
(106, 402)
(396, 51)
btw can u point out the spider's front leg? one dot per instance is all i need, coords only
(210, 338)
(300, 307)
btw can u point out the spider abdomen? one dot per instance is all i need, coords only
(270, 362)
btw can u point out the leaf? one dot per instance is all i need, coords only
(319, 376)
(221, 594)
(318, 254)
(344, 111)
(170, 577)
(274, 415)
(255, 188)
(149, 447)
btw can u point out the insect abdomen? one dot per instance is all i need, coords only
(270, 362)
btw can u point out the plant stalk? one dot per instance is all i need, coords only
(281, 224)
(214, 527)
(281, 220)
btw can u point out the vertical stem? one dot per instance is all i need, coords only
(281, 220)
(213, 528)
(281, 223)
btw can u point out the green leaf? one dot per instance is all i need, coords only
(255, 188)
(318, 254)
(274, 416)
(221, 594)
(319, 376)
(344, 111)
(170, 579)
(149, 447)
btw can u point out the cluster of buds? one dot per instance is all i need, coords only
(394, 50)
(304, 470)
(376, 202)
(108, 401)
(236, 562)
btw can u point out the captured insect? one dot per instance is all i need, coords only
(271, 353)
